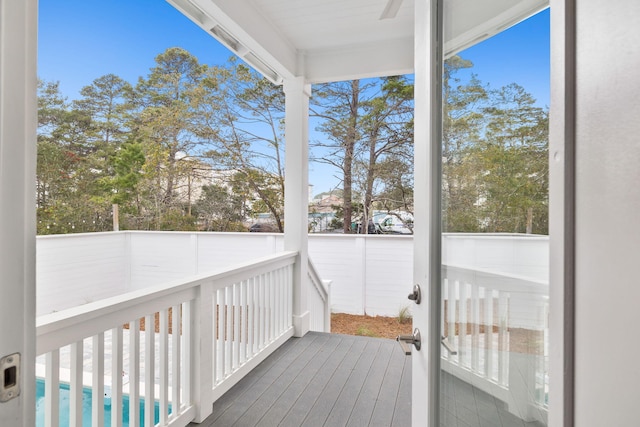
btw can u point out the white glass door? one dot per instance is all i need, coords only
(494, 284)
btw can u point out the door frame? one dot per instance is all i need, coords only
(562, 156)
(18, 118)
(428, 57)
(428, 54)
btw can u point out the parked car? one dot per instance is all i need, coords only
(392, 224)
(263, 227)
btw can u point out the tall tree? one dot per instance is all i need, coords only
(387, 132)
(339, 106)
(65, 185)
(514, 157)
(168, 102)
(463, 123)
(243, 123)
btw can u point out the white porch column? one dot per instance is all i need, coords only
(18, 118)
(296, 193)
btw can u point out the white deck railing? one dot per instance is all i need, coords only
(497, 312)
(498, 326)
(211, 331)
(319, 301)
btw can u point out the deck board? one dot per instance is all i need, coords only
(340, 380)
(317, 380)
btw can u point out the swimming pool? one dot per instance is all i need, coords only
(86, 407)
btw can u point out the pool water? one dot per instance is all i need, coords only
(86, 407)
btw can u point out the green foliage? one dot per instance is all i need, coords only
(495, 157)
(197, 147)
(404, 315)
(366, 124)
(220, 210)
(364, 332)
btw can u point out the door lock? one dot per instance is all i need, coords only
(9, 377)
(416, 295)
(406, 340)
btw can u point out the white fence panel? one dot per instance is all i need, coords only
(388, 274)
(77, 269)
(159, 258)
(340, 259)
(218, 250)
(370, 274)
(519, 254)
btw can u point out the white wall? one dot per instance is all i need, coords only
(607, 299)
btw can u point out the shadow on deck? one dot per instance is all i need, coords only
(322, 380)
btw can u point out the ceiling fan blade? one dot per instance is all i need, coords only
(391, 9)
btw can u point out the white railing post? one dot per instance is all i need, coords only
(202, 352)
(296, 200)
(327, 307)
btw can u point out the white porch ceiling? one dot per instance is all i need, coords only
(331, 40)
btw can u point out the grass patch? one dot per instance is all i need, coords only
(404, 315)
(364, 332)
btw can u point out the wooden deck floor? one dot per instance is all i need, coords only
(322, 380)
(341, 380)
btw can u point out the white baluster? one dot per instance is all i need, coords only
(97, 393)
(116, 376)
(187, 343)
(475, 333)
(243, 321)
(149, 370)
(228, 338)
(215, 325)
(488, 332)
(175, 360)
(462, 330)
(236, 325)
(52, 389)
(164, 366)
(134, 373)
(75, 389)
(503, 309)
(251, 319)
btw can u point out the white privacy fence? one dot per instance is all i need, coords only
(370, 274)
(497, 327)
(495, 309)
(200, 337)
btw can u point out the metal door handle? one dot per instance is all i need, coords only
(446, 344)
(416, 295)
(406, 340)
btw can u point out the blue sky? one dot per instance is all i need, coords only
(81, 40)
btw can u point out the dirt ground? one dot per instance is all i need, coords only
(520, 340)
(378, 326)
(348, 324)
